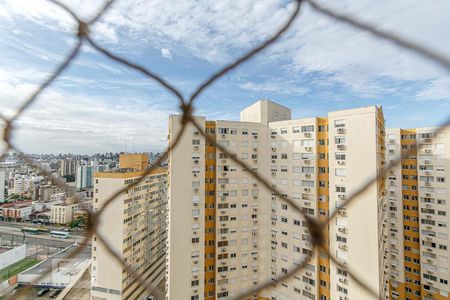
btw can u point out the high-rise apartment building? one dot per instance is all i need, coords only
(228, 233)
(418, 196)
(2, 185)
(134, 226)
(84, 177)
(68, 167)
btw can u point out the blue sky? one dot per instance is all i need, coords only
(318, 66)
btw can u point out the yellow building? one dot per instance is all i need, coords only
(418, 213)
(236, 234)
(134, 225)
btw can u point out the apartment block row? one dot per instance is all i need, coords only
(212, 231)
(236, 234)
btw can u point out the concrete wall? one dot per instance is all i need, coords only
(12, 256)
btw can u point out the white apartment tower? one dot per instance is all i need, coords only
(228, 233)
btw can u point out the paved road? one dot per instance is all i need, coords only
(13, 236)
(19, 225)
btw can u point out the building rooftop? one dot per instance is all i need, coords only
(21, 203)
(127, 173)
(55, 260)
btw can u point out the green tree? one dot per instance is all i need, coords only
(69, 178)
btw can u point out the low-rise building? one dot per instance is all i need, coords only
(58, 197)
(16, 211)
(63, 213)
(64, 270)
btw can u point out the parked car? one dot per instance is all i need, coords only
(42, 292)
(54, 293)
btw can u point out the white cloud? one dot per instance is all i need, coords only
(438, 89)
(166, 53)
(76, 122)
(217, 31)
(276, 87)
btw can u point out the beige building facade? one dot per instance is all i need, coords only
(134, 226)
(63, 213)
(235, 233)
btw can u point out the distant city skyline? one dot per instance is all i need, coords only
(319, 66)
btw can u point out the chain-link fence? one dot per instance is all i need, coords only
(187, 107)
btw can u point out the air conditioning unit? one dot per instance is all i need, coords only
(342, 213)
(307, 189)
(308, 288)
(274, 149)
(341, 146)
(308, 148)
(308, 175)
(307, 134)
(340, 130)
(342, 247)
(306, 161)
(342, 197)
(340, 162)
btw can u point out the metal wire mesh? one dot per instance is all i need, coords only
(314, 226)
